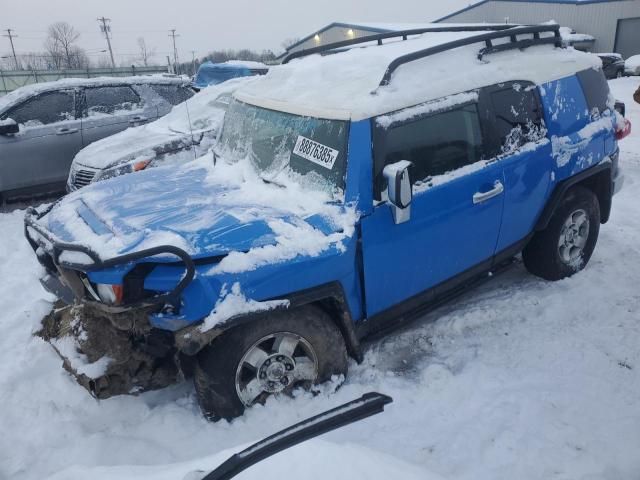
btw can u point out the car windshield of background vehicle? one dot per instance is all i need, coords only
(308, 150)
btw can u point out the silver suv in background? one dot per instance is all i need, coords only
(43, 126)
(186, 133)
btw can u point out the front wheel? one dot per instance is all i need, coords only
(275, 354)
(566, 245)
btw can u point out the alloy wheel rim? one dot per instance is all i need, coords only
(276, 363)
(573, 237)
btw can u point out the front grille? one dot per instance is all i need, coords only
(82, 178)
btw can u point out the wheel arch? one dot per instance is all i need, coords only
(329, 297)
(597, 179)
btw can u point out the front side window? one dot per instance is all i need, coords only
(46, 108)
(307, 149)
(436, 144)
(518, 117)
(111, 100)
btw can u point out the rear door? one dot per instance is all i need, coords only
(110, 109)
(519, 143)
(49, 138)
(456, 209)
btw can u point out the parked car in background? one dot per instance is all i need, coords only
(211, 73)
(187, 132)
(632, 65)
(612, 65)
(43, 126)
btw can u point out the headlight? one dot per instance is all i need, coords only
(123, 169)
(110, 294)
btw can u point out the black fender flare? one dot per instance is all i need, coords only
(598, 178)
(330, 297)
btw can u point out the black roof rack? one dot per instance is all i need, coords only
(404, 34)
(511, 33)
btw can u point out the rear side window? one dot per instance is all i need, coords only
(44, 109)
(518, 117)
(595, 88)
(111, 100)
(174, 94)
(436, 144)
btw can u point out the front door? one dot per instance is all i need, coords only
(456, 210)
(41, 153)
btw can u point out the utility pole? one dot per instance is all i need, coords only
(173, 36)
(193, 61)
(106, 29)
(13, 50)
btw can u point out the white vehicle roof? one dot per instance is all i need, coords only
(29, 90)
(341, 86)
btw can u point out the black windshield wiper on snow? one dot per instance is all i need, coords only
(367, 405)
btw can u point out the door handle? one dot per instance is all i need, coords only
(480, 197)
(66, 131)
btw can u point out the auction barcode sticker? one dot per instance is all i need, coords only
(315, 152)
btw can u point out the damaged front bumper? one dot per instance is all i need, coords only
(105, 358)
(111, 349)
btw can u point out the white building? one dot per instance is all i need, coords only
(602, 25)
(615, 24)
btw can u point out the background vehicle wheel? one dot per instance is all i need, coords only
(273, 355)
(566, 245)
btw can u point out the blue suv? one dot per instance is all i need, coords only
(348, 194)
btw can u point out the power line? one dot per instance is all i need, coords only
(11, 36)
(106, 29)
(173, 36)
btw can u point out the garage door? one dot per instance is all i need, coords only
(628, 37)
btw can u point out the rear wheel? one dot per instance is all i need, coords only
(566, 245)
(273, 355)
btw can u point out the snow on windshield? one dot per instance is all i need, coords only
(311, 150)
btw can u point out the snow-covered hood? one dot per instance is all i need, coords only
(139, 143)
(206, 210)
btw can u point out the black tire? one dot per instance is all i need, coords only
(216, 365)
(542, 255)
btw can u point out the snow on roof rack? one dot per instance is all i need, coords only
(511, 33)
(384, 36)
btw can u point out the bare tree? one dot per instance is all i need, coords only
(145, 53)
(61, 37)
(288, 42)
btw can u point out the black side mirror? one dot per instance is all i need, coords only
(8, 127)
(399, 190)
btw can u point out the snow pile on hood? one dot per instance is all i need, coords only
(340, 86)
(206, 210)
(204, 112)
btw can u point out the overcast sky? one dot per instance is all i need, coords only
(203, 25)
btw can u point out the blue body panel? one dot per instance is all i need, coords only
(527, 181)
(447, 234)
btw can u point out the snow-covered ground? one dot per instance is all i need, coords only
(518, 379)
